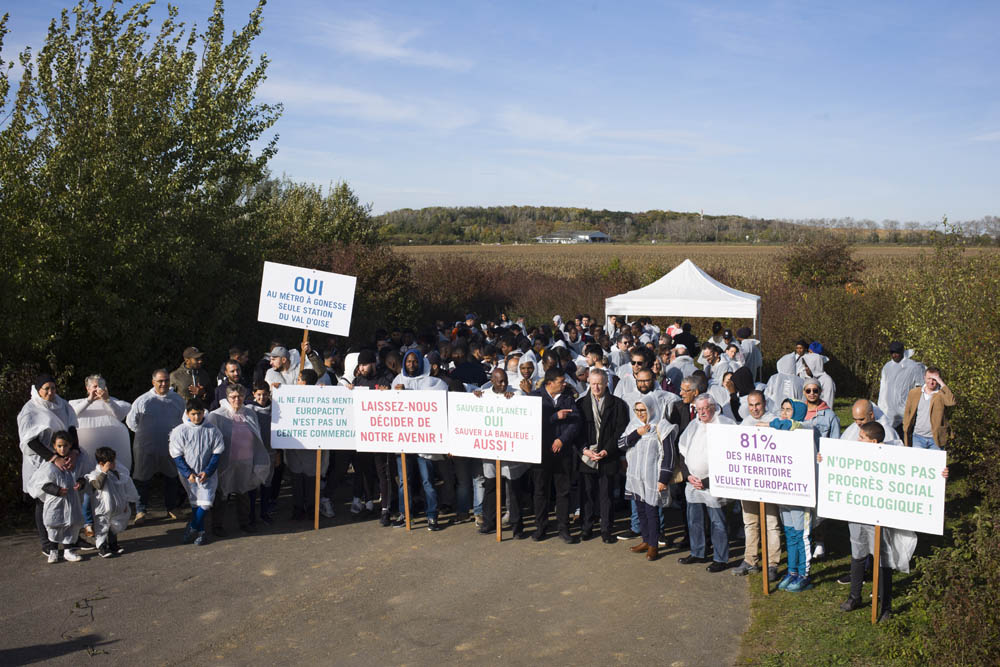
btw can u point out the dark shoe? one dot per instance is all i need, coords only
(886, 615)
(266, 518)
(851, 604)
(104, 551)
(537, 536)
(653, 552)
(569, 539)
(485, 530)
(628, 535)
(400, 521)
(461, 517)
(386, 520)
(248, 528)
(607, 539)
(640, 548)
(219, 531)
(716, 566)
(844, 578)
(772, 573)
(432, 525)
(690, 559)
(520, 535)
(587, 535)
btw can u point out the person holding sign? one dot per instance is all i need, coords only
(605, 418)
(650, 446)
(694, 464)
(560, 428)
(896, 546)
(797, 520)
(511, 472)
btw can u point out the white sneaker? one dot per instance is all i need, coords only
(819, 551)
(370, 506)
(54, 556)
(356, 506)
(326, 508)
(72, 556)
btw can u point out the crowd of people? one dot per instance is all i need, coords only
(624, 412)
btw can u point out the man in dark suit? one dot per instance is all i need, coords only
(560, 429)
(682, 413)
(604, 419)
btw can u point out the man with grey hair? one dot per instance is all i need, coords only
(693, 447)
(605, 418)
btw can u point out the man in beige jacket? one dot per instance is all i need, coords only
(925, 419)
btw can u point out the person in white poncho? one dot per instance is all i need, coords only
(113, 490)
(44, 414)
(245, 464)
(785, 383)
(196, 448)
(895, 551)
(59, 491)
(693, 449)
(152, 416)
(899, 375)
(650, 444)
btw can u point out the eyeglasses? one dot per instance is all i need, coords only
(810, 391)
(637, 363)
(638, 410)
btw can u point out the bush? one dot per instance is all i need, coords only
(15, 385)
(824, 261)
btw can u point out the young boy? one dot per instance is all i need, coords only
(59, 490)
(897, 544)
(797, 520)
(261, 405)
(113, 490)
(195, 447)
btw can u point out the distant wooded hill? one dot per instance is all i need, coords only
(509, 224)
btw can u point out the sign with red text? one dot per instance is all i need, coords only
(882, 485)
(306, 298)
(762, 464)
(495, 427)
(312, 417)
(412, 421)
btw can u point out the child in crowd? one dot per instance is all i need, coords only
(196, 447)
(59, 490)
(797, 520)
(261, 405)
(113, 490)
(896, 550)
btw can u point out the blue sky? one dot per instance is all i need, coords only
(772, 109)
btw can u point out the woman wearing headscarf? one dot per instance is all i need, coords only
(45, 414)
(650, 445)
(813, 363)
(244, 465)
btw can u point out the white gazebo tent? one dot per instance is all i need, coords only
(687, 291)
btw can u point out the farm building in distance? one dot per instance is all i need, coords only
(574, 237)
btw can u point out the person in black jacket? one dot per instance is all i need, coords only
(604, 418)
(560, 429)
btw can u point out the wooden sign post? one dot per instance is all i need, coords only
(406, 490)
(875, 573)
(499, 503)
(763, 549)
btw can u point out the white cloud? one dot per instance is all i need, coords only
(367, 39)
(988, 137)
(541, 127)
(326, 98)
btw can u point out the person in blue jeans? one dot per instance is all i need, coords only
(425, 466)
(925, 417)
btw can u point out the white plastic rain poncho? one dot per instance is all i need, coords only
(421, 381)
(111, 501)
(693, 446)
(508, 469)
(655, 450)
(100, 425)
(197, 444)
(718, 371)
(828, 387)
(898, 545)
(244, 466)
(151, 418)
(895, 383)
(891, 437)
(350, 367)
(784, 383)
(680, 368)
(40, 419)
(752, 357)
(62, 515)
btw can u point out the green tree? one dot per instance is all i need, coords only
(124, 155)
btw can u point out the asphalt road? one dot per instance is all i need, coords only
(355, 593)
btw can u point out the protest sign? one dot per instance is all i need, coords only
(306, 299)
(882, 485)
(312, 417)
(495, 427)
(409, 421)
(762, 464)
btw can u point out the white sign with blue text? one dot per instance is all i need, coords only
(306, 299)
